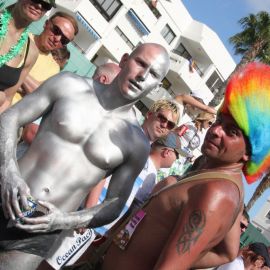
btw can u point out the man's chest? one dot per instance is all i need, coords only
(101, 136)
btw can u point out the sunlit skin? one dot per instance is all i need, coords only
(169, 213)
(224, 141)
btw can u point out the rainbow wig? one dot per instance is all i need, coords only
(247, 99)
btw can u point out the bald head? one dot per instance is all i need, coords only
(106, 73)
(157, 49)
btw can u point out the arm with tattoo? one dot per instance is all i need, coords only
(203, 221)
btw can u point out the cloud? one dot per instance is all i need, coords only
(258, 5)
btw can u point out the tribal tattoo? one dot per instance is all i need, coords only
(192, 231)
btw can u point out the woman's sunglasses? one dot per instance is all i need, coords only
(46, 6)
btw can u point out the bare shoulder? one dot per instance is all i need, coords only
(67, 83)
(216, 193)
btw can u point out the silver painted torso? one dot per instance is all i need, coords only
(77, 144)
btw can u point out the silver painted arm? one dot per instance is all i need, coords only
(27, 110)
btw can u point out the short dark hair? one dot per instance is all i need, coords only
(68, 17)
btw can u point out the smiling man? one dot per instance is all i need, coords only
(89, 131)
(195, 221)
(59, 30)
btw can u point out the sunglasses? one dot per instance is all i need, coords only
(46, 6)
(243, 226)
(162, 119)
(58, 32)
(176, 154)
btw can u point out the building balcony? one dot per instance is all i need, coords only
(185, 78)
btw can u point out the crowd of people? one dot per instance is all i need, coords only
(84, 185)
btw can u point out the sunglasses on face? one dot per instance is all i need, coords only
(243, 226)
(46, 6)
(176, 154)
(162, 119)
(173, 150)
(58, 32)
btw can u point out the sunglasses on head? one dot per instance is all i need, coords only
(46, 6)
(58, 32)
(162, 119)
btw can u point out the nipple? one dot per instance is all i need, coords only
(46, 190)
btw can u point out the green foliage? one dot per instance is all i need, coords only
(254, 40)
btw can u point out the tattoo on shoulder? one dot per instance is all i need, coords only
(192, 231)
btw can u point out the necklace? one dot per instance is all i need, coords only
(17, 48)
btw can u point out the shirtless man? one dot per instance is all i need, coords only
(192, 223)
(84, 136)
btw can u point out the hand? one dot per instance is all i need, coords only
(54, 220)
(14, 189)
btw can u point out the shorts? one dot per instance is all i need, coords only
(33, 243)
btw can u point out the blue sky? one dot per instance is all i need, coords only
(222, 16)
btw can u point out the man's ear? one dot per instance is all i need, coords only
(103, 79)
(246, 157)
(123, 60)
(148, 114)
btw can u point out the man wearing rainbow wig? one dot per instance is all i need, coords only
(195, 221)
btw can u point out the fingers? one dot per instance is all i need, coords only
(47, 205)
(35, 220)
(37, 228)
(15, 206)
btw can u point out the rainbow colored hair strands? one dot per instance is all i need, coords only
(247, 99)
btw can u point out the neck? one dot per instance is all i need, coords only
(111, 98)
(206, 163)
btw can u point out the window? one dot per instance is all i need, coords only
(168, 34)
(268, 215)
(214, 82)
(154, 10)
(141, 107)
(124, 37)
(182, 51)
(107, 8)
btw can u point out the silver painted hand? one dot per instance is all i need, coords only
(54, 220)
(14, 193)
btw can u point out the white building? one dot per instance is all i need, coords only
(262, 220)
(109, 28)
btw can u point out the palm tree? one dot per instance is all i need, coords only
(253, 43)
(264, 184)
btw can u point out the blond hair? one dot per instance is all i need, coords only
(164, 104)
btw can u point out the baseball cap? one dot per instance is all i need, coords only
(261, 249)
(51, 2)
(172, 140)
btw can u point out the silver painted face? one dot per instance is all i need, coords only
(143, 72)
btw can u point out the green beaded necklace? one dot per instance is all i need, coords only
(17, 48)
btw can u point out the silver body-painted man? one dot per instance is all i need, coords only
(88, 132)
